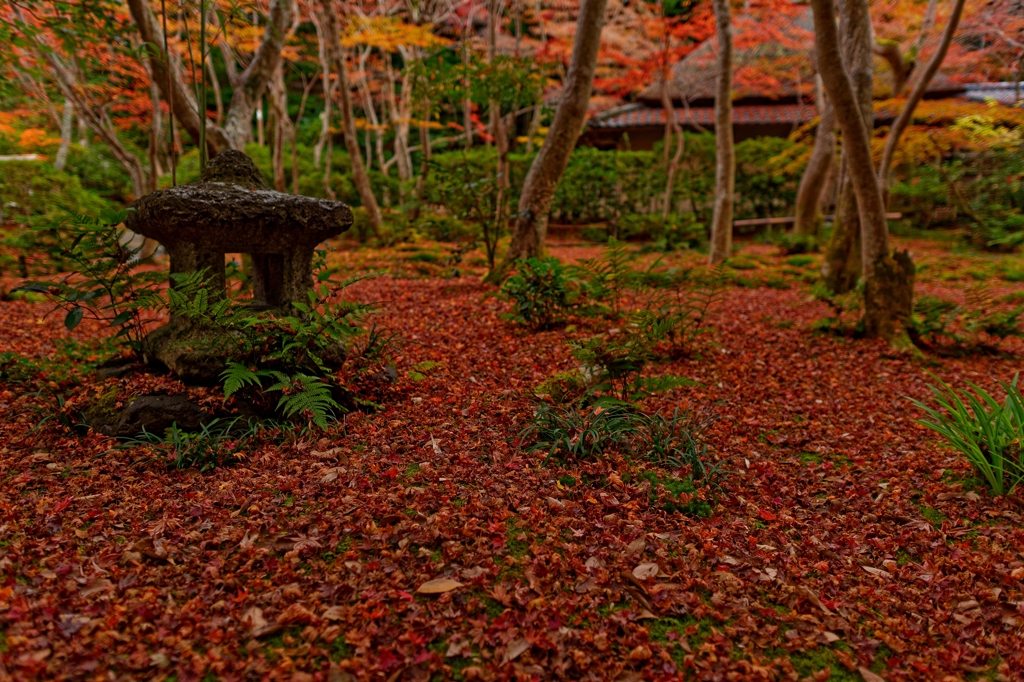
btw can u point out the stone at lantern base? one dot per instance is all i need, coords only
(231, 210)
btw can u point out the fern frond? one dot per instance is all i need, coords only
(237, 376)
(314, 398)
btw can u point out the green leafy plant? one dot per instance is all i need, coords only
(676, 312)
(300, 393)
(675, 442)
(980, 324)
(541, 292)
(795, 244)
(568, 433)
(105, 283)
(844, 308)
(216, 443)
(983, 430)
(308, 358)
(608, 277)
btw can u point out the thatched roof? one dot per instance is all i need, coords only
(776, 69)
(779, 69)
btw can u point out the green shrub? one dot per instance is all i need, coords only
(978, 325)
(446, 228)
(668, 233)
(766, 182)
(794, 244)
(100, 173)
(466, 184)
(35, 197)
(983, 430)
(541, 292)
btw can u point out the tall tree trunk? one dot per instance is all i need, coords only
(888, 281)
(903, 120)
(842, 265)
(549, 164)
(371, 116)
(247, 90)
(278, 98)
(819, 168)
(66, 119)
(294, 132)
(725, 152)
(337, 60)
(156, 134)
(672, 127)
(325, 120)
(421, 180)
(467, 104)
(218, 100)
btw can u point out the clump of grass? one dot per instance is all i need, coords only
(981, 428)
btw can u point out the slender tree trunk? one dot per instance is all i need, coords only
(903, 120)
(371, 116)
(282, 123)
(467, 104)
(67, 118)
(534, 127)
(819, 168)
(888, 293)
(156, 134)
(549, 164)
(842, 265)
(725, 153)
(295, 136)
(325, 69)
(421, 180)
(248, 88)
(538, 107)
(672, 127)
(337, 59)
(218, 101)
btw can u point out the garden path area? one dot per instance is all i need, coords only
(844, 538)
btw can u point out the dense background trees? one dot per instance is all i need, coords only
(362, 100)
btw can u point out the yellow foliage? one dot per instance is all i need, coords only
(388, 34)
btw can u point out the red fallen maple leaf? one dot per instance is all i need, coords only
(766, 515)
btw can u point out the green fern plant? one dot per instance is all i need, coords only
(676, 313)
(301, 394)
(609, 276)
(306, 395)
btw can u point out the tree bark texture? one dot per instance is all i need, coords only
(359, 177)
(67, 118)
(819, 168)
(903, 120)
(546, 170)
(888, 281)
(842, 265)
(249, 88)
(725, 152)
(672, 127)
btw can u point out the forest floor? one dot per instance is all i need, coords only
(845, 543)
